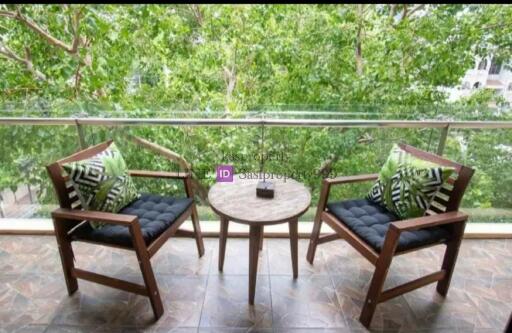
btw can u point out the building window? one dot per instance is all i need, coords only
(495, 67)
(483, 64)
(477, 85)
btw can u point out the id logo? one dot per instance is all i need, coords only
(224, 173)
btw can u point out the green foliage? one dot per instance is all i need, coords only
(360, 61)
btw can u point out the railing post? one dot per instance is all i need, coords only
(81, 135)
(2, 211)
(442, 140)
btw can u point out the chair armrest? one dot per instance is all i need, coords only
(96, 216)
(326, 186)
(351, 179)
(183, 175)
(159, 174)
(429, 221)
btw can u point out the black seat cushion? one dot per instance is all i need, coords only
(156, 214)
(370, 222)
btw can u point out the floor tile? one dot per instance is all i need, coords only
(236, 261)
(309, 301)
(29, 299)
(179, 256)
(327, 296)
(280, 261)
(227, 305)
(29, 328)
(100, 306)
(234, 330)
(351, 293)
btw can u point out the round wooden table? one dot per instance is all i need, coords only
(237, 201)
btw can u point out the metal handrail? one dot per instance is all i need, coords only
(257, 122)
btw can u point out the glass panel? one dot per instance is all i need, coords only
(25, 189)
(487, 198)
(303, 153)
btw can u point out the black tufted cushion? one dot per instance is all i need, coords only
(370, 222)
(156, 213)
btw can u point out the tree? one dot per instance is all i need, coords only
(384, 61)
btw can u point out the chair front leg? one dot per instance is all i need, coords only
(147, 271)
(450, 258)
(315, 234)
(195, 217)
(197, 231)
(66, 255)
(379, 276)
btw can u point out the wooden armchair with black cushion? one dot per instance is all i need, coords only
(378, 234)
(143, 226)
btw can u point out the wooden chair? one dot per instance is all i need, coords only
(133, 228)
(397, 236)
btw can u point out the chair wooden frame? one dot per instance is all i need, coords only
(70, 215)
(452, 219)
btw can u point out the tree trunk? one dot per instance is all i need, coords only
(359, 36)
(30, 194)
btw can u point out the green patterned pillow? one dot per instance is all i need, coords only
(407, 185)
(102, 182)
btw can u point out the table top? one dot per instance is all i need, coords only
(237, 200)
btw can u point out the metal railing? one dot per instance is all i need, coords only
(444, 125)
(256, 122)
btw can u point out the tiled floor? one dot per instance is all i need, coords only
(327, 297)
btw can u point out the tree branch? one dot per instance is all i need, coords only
(230, 77)
(75, 25)
(77, 79)
(6, 13)
(404, 14)
(418, 7)
(393, 10)
(197, 14)
(26, 61)
(29, 23)
(359, 36)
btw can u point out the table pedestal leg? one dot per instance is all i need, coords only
(294, 246)
(254, 247)
(223, 236)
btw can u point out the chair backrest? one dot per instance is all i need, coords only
(63, 188)
(459, 186)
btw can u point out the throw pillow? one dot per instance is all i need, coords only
(102, 182)
(440, 201)
(407, 185)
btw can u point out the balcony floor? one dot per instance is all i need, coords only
(196, 297)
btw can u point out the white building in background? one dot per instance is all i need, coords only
(486, 74)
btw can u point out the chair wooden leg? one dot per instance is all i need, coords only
(370, 304)
(315, 234)
(66, 256)
(450, 258)
(195, 217)
(379, 276)
(197, 231)
(313, 242)
(147, 271)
